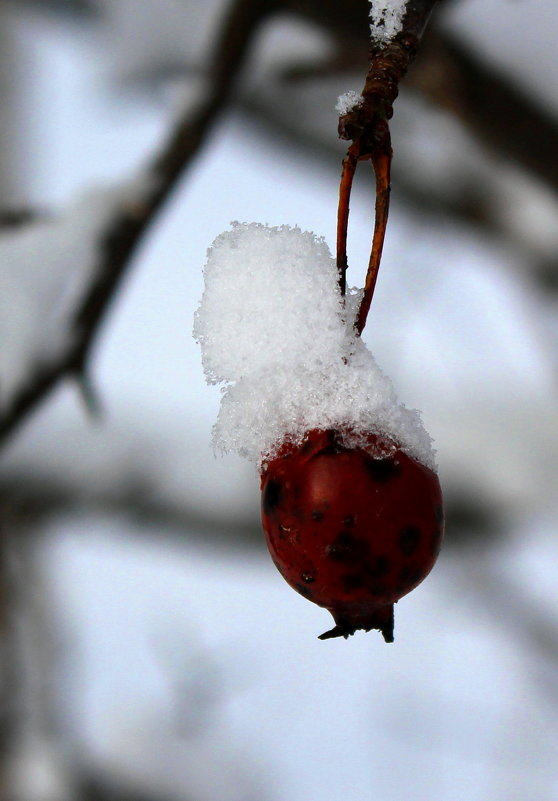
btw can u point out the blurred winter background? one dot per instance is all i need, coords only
(150, 650)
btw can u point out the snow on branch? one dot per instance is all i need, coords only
(349, 101)
(390, 19)
(386, 18)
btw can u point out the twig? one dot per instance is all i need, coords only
(366, 124)
(510, 120)
(14, 218)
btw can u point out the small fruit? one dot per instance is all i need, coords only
(353, 529)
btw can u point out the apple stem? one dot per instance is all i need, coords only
(381, 162)
(376, 147)
(365, 123)
(347, 174)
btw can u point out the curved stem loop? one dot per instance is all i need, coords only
(382, 169)
(380, 156)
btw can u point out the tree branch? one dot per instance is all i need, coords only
(15, 218)
(366, 124)
(503, 117)
(123, 236)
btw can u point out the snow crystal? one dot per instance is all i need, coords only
(386, 18)
(273, 326)
(348, 102)
(267, 291)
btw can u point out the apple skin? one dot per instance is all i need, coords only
(351, 528)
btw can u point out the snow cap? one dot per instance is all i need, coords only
(273, 326)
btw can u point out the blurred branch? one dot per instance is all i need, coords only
(28, 724)
(14, 218)
(10, 667)
(120, 241)
(30, 498)
(504, 117)
(66, 7)
(523, 617)
(102, 788)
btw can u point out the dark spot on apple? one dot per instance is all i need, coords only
(382, 470)
(409, 540)
(378, 566)
(271, 496)
(353, 581)
(377, 588)
(348, 548)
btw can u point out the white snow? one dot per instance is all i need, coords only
(386, 18)
(273, 325)
(348, 101)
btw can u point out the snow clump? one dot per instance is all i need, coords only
(273, 326)
(386, 18)
(348, 102)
